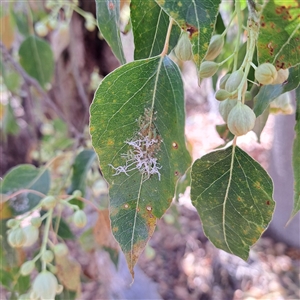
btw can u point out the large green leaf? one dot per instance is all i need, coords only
(296, 157)
(36, 57)
(268, 93)
(137, 127)
(150, 24)
(108, 17)
(278, 40)
(233, 195)
(196, 16)
(25, 177)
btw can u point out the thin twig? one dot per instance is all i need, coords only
(33, 82)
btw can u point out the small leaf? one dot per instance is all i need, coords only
(278, 40)
(25, 177)
(296, 157)
(233, 195)
(36, 57)
(108, 17)
(268, 93)
(6, 279)
(68, 273)
(260, 123)
(150, 24)
(82, 164)
(197, 17)
(140, 104)
(64, 230)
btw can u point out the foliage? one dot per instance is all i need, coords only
(137, 122)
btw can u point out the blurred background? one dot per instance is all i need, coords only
(44, 110)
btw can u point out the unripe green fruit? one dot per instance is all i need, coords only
(41, 29)
(215, 47)
(12, 223)
(241, 119)
(79, 219)
(234, 81)
(225, 107)
(27, 268)
(90, 26)
(16, 238)
(52, 23)
(32, 235)
(183, 49)
(282, 76)
(265, 73)
(60, 250)
(77, 193)
(169, 219)
(223, 81)
(49, 202)
(45, 285)
(222, 95)
(48, 256)
(208, 69)
(36, 222)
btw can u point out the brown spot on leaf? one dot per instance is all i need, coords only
(268, 202)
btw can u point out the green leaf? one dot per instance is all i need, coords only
(23, 284)
(260, 123)
(10, 125)
(278, 40)
(36, 57)
(82, 164)
(66, 295)
(140, 103)
(233, 195)
(150, 24)
(196, 16)
(5, 279)
(268, 93)
(296, 157)
(64, 230)
(25, 177)
(108, 17)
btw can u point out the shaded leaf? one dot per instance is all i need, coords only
(233, 198)
(68, 272)
(9, 124)
(296, 157)
(64, 230)
(66, 295)
(279, 35)
(25, 177)
(108, 17)
(36, 57)
(139, 104)
(260, 123)
(196, 16)
(82, 164)
(268, 93)
(150, 24)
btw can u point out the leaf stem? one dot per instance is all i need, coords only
(166, 46)
(45, 237)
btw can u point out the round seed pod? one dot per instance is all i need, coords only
(24, 297)
(234, 81)
(282, 76)
(183, 49)
(265, 73)
(49, 202)
(27, 268)
(36, 222)
(41, 29)
(208, 69)
(45, 285)
(60, 250)
(11, 223)
(16, 238)
(222, 95)
(225, 107)
(79, 219)
(223, 80)
(48, 256)
(241, 119)
(77, 193)
(32, 235)
(215, 47)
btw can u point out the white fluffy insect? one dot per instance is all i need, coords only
(140, 158)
